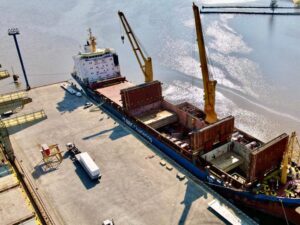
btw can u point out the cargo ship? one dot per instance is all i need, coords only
(239, 166)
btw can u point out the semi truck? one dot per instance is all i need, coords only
(85, 161)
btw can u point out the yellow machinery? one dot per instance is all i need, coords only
(296, 2)
(24, 119)
(52, 155)
(292, 152)
(209, 85)
(4, 74)
(92, 41)
(144, 62)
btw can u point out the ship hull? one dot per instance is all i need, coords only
(278, 207)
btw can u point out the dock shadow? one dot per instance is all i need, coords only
(13, 106)
(42, 169)
(84, 177)
(66, 155)
(117, 132)
(17, 128)
(70, 102)
(192, 193)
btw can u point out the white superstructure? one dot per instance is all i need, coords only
(96, 64)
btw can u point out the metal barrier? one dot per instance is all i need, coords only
(4, 74)
(19, 120)
(13, 96)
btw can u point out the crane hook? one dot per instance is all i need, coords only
(122, 38)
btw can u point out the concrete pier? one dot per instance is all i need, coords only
(135, 187)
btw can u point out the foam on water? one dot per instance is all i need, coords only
(246, 120)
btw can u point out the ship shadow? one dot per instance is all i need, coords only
(117, 132)
(70, 102)
(20, 127)
(192, 194)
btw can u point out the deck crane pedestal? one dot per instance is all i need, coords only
(209, 85)
(144, 62)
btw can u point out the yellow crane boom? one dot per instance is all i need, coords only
(292, 153)
(144, 62)
(209, 85)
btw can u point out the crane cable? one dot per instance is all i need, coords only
(140, 43)
(210, 63)
(286, 220)
(210, 67)
(121, 32)
(194, 43)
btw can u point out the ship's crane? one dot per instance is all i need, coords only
(144, 62)
(292, 152)
(208, 84)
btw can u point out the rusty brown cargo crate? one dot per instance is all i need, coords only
(141, 95)
(218, 132)
(267, 157)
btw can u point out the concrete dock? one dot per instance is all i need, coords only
(15, 206)
(135, 188)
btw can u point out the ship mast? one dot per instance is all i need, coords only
(92, 41)
(209, 85)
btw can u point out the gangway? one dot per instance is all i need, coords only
(26, 118)
(4, 74)
(224, 212)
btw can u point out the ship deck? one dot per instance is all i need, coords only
(113, 92)
(135, 188)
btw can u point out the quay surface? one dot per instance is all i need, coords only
(135, 188)
(15, 207)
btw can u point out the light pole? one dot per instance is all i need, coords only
(14, 32)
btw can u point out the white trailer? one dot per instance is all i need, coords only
(89, 165)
